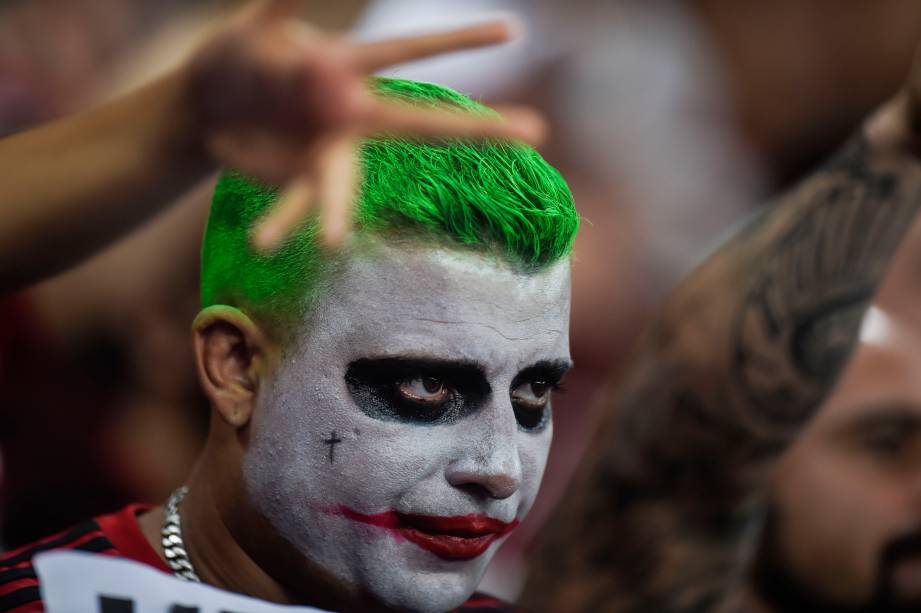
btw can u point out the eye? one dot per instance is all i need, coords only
(416, 391)
(886, 441)
(531, 401)
(423, 390)
(533, 394)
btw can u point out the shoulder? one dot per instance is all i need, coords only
(19, 585)
(483, 603)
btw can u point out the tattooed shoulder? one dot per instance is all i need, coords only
(800, 312)
(741, 356)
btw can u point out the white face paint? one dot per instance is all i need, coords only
(428, 366)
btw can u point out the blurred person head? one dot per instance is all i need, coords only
(381, 415)
(844, 526)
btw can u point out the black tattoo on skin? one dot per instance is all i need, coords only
(332, 441)
(799, 318)
(666, 508)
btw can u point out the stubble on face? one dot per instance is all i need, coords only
(779, 584)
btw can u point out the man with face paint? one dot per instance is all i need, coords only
(381, 414)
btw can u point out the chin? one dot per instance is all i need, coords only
(427, 594)
(426, 590)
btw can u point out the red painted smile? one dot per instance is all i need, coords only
(461, 537)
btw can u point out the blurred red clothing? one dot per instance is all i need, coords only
(57, 468)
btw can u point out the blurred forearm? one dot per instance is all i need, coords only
(72, 186)
(284, 104)
(668, 499)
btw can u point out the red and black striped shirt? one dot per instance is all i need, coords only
(119, 535)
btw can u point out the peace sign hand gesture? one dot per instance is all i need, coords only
(287, 104)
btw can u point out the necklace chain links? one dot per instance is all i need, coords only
(171, 537)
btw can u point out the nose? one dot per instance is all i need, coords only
(490, 463)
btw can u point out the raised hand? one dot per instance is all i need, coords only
(287, 104)
(265, 94)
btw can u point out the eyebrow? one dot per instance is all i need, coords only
(550, 370)
(904, 415)
(385, 370)
(411, 364)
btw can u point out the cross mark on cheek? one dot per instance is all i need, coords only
(332, 441)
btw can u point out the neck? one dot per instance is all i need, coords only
(239, 552)
(218, 558)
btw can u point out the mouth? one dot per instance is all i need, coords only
(461, 537)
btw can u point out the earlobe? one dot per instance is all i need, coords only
(231, 354)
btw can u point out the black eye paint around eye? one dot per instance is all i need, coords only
(531, 419)
(546, 374)
(374, 386)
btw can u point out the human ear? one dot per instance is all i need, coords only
(231, 354)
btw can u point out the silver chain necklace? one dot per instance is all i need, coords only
(171, 536)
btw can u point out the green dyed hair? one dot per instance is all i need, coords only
(500, 198)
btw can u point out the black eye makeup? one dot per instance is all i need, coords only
(531, 391)
(420, 391)
(435, 392)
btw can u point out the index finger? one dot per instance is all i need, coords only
(408, 121)
(369, 57)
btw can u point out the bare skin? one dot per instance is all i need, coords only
(668, 502)
(265, 94)
(222, 562)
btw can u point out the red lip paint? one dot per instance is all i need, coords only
(461, 537)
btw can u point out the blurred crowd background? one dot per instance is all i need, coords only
(673, 121)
